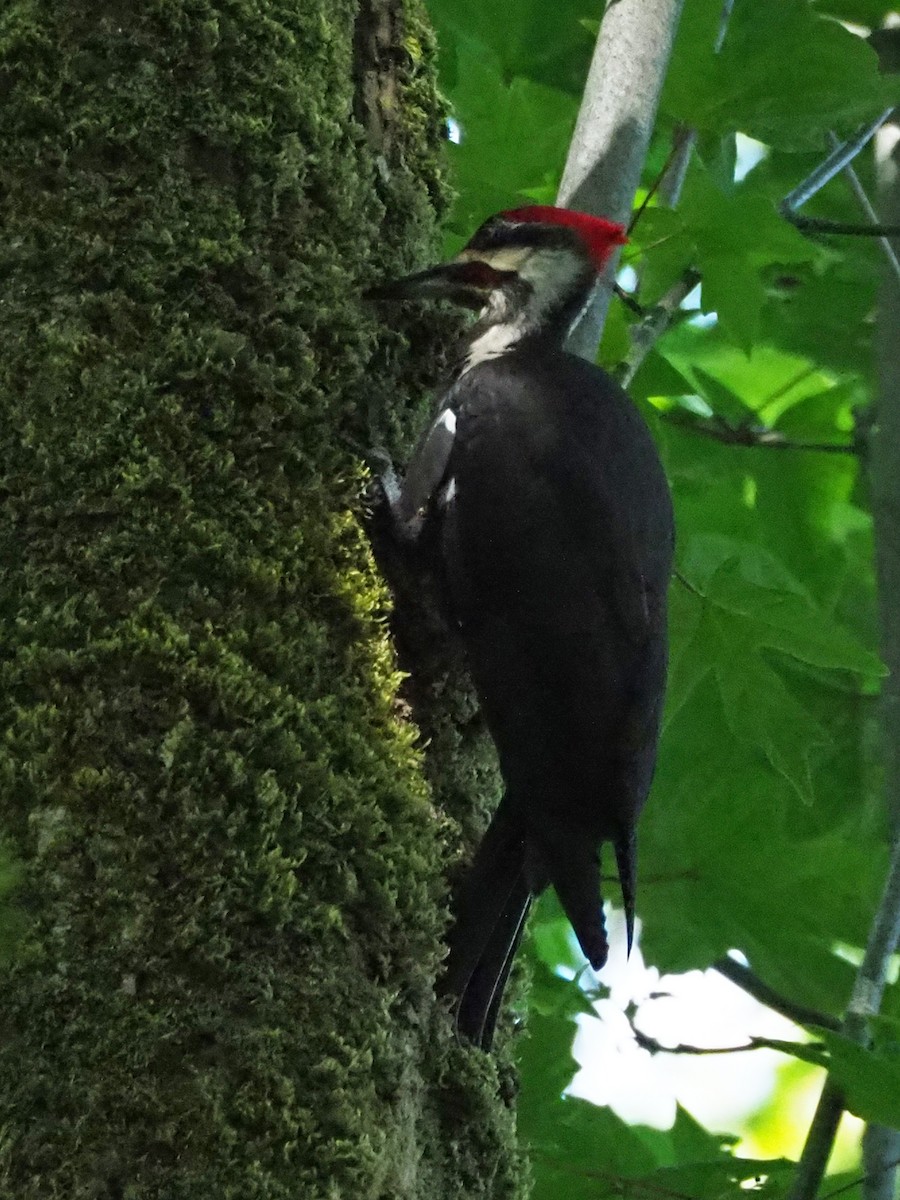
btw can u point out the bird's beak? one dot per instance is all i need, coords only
(462, 281)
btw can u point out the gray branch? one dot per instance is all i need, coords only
(752, 436)
(864, 1003)
(881, 1156)
(866, 205)
(647, 332)
(841, 154)
(881, 1147)
(610, 142)
(685, 138)
(751, 983)
(885, 468)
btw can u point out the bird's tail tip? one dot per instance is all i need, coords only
(626, 861)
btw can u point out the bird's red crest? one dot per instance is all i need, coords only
(599, 235)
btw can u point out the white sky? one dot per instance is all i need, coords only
(700, 1008)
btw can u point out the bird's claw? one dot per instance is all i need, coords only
(384, 487)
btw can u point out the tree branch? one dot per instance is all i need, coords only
(880, 1145)
(864, 1003)
(854, 1183)
(672, 182)
(685, 138)
(613, 130)
(754, 436)
(749, 982)
(645, 334)
(866, 205)
(842, 154)
(881, 1157)
(652, 1046)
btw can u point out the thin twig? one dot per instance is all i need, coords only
(647, 333)
(855, 1183)
(844, 228)
(783, 388)
(751, 436)
(749, 982)
(881, 1146)
(659, 183)
(866, 205)
(670, 185)
(885, 931)
(652, 1046)
(819, 1143)
(629, 301)
(685, 137)
(675, 171)
(840, 156)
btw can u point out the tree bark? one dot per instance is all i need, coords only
(231, 867)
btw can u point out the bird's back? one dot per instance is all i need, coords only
(558, 543)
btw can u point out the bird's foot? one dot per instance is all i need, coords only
(384, 487)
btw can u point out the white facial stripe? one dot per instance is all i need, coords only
(509, 258)
(550, 275)
(505, 258)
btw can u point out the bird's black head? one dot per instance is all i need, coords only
(543, 229)
(533, 258)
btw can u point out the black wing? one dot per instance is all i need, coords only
(558, 545)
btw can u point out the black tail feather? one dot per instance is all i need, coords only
(481, 1001)
(489, 910)
(576, 880)
(490, 907)
(626, 861)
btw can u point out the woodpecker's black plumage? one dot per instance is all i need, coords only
(556, 537)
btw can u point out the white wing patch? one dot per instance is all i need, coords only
(448, 420)
(449, 493)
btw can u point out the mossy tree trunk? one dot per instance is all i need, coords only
(232, 872)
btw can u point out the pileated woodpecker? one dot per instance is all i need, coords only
(554, 522)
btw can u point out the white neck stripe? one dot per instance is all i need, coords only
(496, 340)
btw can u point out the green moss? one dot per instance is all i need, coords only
(231, 868)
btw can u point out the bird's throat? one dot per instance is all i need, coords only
(492, 341)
